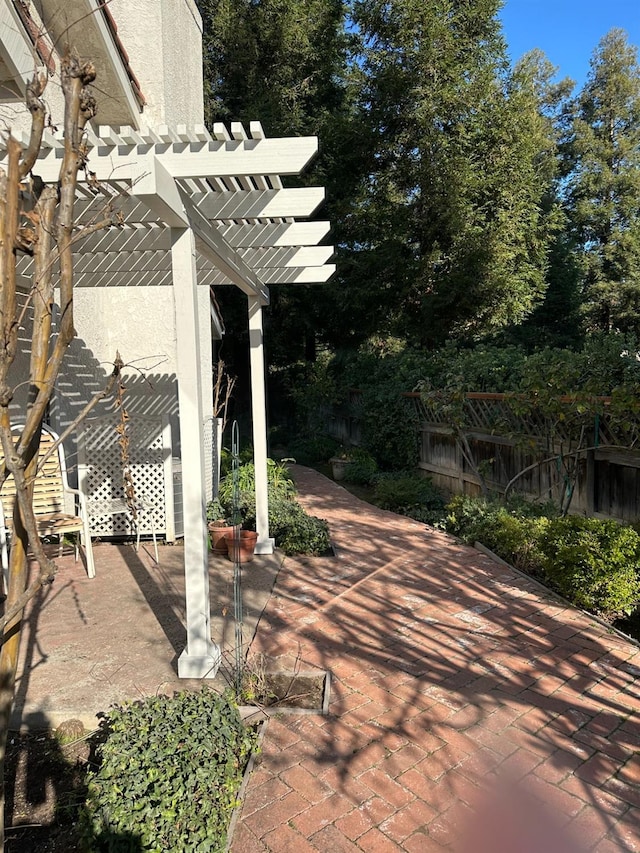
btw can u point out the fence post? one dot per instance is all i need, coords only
(591, 468)
(460, 467)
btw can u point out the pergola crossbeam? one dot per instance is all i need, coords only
(112, 161)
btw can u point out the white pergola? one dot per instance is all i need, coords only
(199, 209)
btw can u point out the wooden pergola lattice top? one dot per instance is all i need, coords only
(250, 231)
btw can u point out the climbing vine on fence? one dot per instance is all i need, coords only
(546, 416)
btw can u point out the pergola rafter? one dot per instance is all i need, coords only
(263, 234)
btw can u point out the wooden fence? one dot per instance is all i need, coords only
(607, 482)
(344, 422)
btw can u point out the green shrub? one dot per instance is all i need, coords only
(515, 539)
(511, 530)
(409, 494)
(362, 469)
(169, 772)
(594, 563)
(467, 516)
(295, 531)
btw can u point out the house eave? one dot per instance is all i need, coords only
(85, 23)
(18, 58)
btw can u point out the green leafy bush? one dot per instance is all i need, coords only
(169, 772)
(505, 531)
(409, 494)
(279, 484)
(295, 531)
(467, 517)
(515, 539)
(594, 563)
(278, 478)
(362, 469)
(215, 510)
(311, 450)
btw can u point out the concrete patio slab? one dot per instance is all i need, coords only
(88, 644)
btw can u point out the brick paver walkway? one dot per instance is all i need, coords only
(469, 709)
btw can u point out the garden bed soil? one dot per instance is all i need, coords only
(293, 693)
(630, 625)
(45, 785)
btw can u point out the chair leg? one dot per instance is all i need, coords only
(155, 541)
(5, 558)
(84, 537)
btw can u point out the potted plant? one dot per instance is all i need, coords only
(339, 463)
(218, 526)
(240, 543)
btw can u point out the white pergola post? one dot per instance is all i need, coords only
(201, 657)
(264, 544)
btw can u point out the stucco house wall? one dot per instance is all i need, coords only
(163, 39)
(163, 44)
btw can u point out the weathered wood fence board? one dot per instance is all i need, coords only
(608, 477)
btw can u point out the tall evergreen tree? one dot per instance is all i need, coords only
(557, 321)
(285, 63)
(273, 60)
(454, 235)
(603, 192)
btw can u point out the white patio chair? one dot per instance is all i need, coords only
(102, 507)
(50, 487)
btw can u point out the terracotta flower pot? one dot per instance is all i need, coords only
(217, 531)
(241, 543)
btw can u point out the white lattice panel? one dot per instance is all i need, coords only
(101, 470)
(208, 429)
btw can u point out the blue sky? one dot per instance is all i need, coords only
(567, 30)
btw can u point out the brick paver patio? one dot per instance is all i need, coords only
(469, 710)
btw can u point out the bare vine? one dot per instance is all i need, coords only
(37, 220)
(223, 385)
(124, 442)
